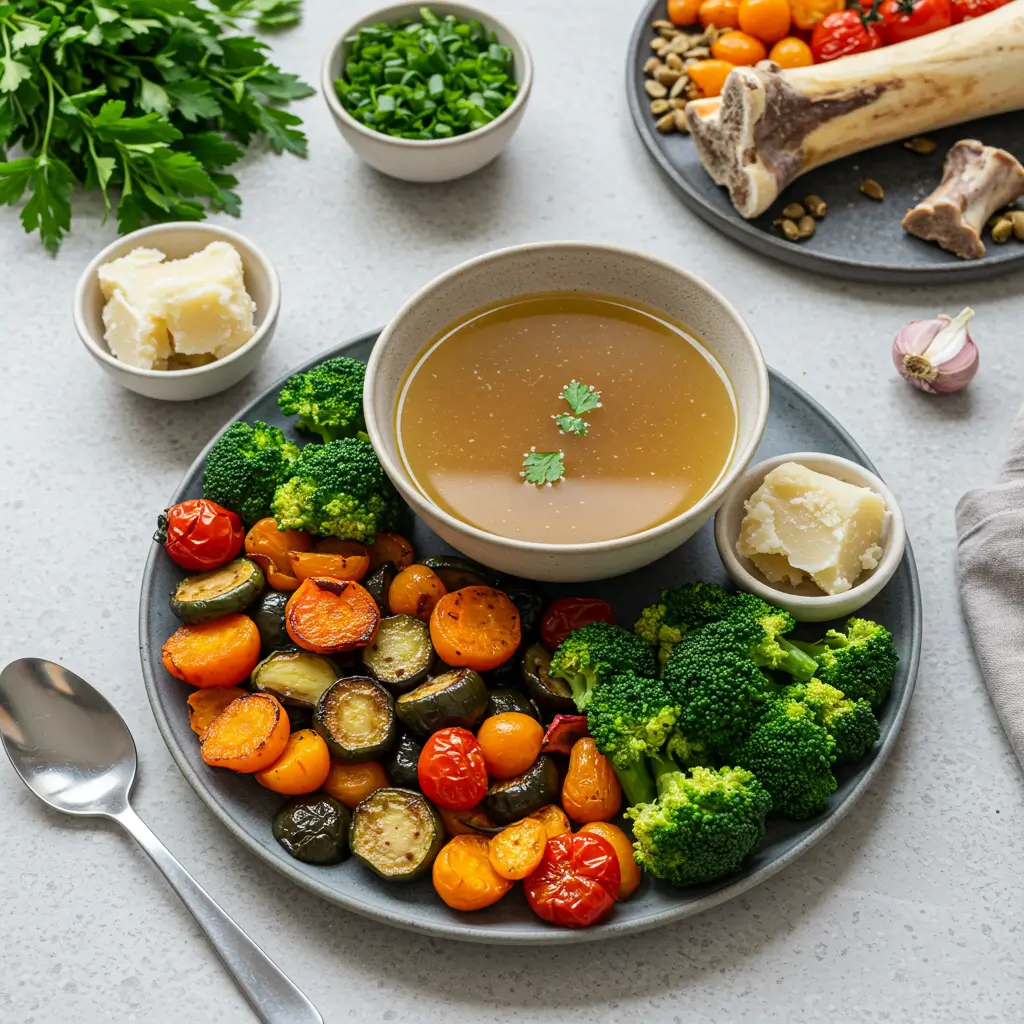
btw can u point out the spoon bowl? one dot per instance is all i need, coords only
(65, 740)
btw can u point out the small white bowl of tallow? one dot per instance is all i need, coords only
(815, 534)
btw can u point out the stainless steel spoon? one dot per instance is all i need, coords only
(74, 751)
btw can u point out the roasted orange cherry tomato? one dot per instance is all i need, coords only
(628, 867)
(791, 53)
(510, 743)
(767, 20)
(271, 549)
(516, 851)
(200, 534)
(577, 881)
(591, 791)
(415, 591)
(738, 48)
(683, 12)
(463, 875)
(710, 75)
(720, 13)
(570, 613)
(451, 769)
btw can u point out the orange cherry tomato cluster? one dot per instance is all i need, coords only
(797, 33)
(330, 608)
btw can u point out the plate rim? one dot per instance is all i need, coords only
(767, 245)
(496, 934)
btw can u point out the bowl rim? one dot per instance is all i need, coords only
(859, 594)
(389, 13)
(707, 504)
(120, 245)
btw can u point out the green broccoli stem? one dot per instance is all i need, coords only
(662, 766)
(799, 663)
(581, 685)
(636, 783)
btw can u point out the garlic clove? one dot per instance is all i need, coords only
(938, 356)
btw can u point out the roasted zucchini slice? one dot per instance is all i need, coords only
(458, 697)
(268, 614)
(213, 594)
(295, 677)
(356, 717)
(503, 700)
(456, 572)
(400, 655)
(314, 829)
(551, 694)
(378, 583)
(402, 762)
(512, 799)
(396, 833)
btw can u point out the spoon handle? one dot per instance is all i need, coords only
(272, 995)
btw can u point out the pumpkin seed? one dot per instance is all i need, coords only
(816, 206)
(872, 189)
(1002, 231)
(679, 103)
(700, 52)
(788, 229)
(680, 119)
(679, 86)
(668, 33)
(794, 211)
(659, 107)
(655, 89)
(662, 23)
(806, 225)
(1017, 220)
(658, 44)
(651, 65)
(674, 61)
(667, 76)
(920, 144)
(666, 123)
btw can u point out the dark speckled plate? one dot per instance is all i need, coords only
(860, 239)
(795, 423)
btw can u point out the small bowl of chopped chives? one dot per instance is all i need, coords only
(427, 94)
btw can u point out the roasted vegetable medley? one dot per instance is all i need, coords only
(433, 716)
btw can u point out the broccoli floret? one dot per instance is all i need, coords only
(688, 752)
(681, 611)
(792, 756)
(631, 718)
(716, 677)
(861, 662)
(339, 490)
(851, 723)
(596, 651)
(245, 466)
(328, 399)
(702, 826)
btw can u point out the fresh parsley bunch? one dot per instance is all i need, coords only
(140, 99)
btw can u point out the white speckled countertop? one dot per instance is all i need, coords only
(909, 911)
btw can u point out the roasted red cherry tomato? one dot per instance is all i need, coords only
(842, 33)
(200, 534)
(576, 882)
(570, 613)
(964, 9)
(451, 770)
(908, 19)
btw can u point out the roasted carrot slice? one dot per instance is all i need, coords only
(218, 653)
(250, 734)
(516, 851)
(205, 705)
(391, 547)
(302, 768)
(475, 627)
(271, 548)
(330, 616)
(340, 565)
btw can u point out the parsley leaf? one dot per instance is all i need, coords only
(569, 424)
(543, 468)
(580, 397)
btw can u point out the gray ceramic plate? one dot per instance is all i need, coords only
(795, 423)
(859, 239)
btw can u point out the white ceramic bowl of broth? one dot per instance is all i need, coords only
(653, 338)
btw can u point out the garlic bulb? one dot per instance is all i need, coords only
(937, 355)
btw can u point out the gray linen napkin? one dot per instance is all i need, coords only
(990, 556)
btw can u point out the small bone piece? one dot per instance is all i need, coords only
(976, 181)
(769, 126)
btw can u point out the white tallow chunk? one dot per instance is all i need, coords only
(801, 524)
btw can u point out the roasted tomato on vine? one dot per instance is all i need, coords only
(964, 9)
(908, 19)
(451, 769)
(570, 613)
(844, 33)
(200, 534)
(577, 880)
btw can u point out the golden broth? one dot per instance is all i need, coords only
(484, 392)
